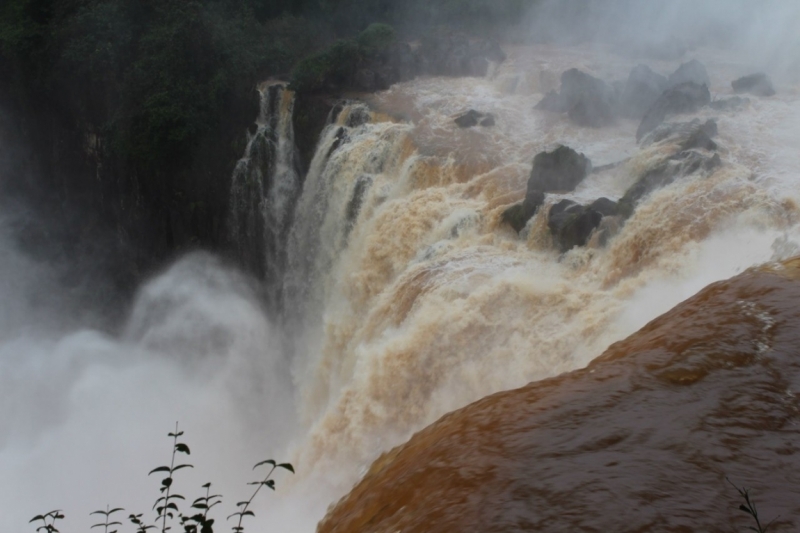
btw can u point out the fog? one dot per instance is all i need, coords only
(85, 414)
(763, 32)
(91, 382)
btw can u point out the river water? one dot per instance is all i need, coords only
(404, 298)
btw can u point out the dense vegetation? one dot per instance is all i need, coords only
(148, 100)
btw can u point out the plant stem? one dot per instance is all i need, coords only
(244, 510)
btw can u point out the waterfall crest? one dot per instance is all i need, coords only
(264, 189)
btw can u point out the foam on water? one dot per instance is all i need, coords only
(405, 305)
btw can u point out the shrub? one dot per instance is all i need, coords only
(168, 505)
(376, 39)
(334, 66)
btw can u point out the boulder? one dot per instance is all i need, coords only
(693, 71)
(604, 206)
(468, 119)
(756, 84)
(551, 102)
(519, 214)
(589, 101)
(365, 80)
(700, 136)
(688, 135)
(572, 224)
(560, 170)
(640, 92)
(679, 165)
(684, 98)
(473, 118)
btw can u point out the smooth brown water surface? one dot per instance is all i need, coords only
(640, 440)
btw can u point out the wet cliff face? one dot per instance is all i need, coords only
(641, 440)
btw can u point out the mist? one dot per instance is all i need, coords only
(763, 33)
(85, 413)
(96, 369)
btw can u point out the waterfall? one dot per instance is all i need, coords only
(264, 189)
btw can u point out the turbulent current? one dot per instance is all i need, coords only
(401, 297)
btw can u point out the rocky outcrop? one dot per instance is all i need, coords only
(640, 92)
(693, 71)
(560, 170)
(589, 101)
(687, 135)
(755, 84)
(518, 215)
(551, 102)
(571, 224)
(684, 98)
(473, 118)
(679, 165)
(590, 450)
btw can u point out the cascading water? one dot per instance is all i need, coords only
(264, 190)
(403, 294)
(426, 302)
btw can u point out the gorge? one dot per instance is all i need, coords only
(384, 317)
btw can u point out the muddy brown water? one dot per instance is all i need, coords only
(640, 440)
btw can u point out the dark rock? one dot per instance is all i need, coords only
(340, 137)
(680, 165)
(684, 98)
(591, 112)
(489, 49)
(588, 100)
(359, 115)
(468, 119)
(693, 71)
(641, 91)
(478, 66)
(551, 102)
(700, 137)
(572, 224)
(473, 118)
(403, 61)
(311, 114)
(757, 84)
(734, 103)
(519, 214)
(604, 206)
(365, 80)
(688, 135)
(385, 77)
(362, 185)
(560, 170)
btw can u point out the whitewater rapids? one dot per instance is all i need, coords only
(400, 307)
